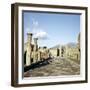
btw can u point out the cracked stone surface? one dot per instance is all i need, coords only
(58, 66)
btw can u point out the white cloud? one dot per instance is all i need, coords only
(40, 34)
(38, 31)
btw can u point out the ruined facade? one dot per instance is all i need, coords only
(33, 54)
(60, 51)
(74, 52)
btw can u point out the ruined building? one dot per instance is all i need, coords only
(73, 52)
(32, 53)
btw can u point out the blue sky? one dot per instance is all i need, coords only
(52, 29)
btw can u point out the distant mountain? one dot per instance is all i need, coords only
(71, 44)
(55, 47)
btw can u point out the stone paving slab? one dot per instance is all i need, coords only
(58, 66)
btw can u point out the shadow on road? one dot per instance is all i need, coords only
(37, 65)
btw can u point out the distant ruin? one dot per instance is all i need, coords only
(34, 53)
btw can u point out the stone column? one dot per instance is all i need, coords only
(35, 50)
(66, 53)
(39, 55)
(29, 49)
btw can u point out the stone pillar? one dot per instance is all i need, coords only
(35, 50)
(29, 49)
(39, 55)
(66, 53)
(35, 44)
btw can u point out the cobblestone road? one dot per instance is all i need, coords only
(58, 66)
